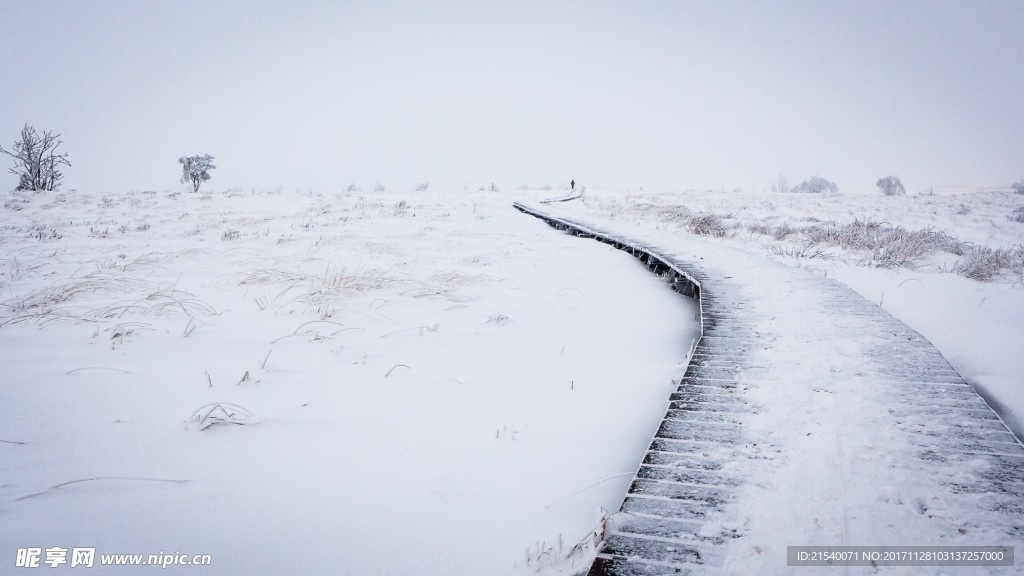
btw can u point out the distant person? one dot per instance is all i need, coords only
(572, 184)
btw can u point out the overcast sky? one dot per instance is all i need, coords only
(667, 95)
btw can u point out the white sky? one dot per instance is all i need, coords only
(666, 94)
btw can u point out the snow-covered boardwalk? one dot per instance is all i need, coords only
(807, 416)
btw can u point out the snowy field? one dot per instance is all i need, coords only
(405, 383)
(817, 382)
(422, 384)
(950, 265)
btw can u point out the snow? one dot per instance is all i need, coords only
(436, 383)
(835, 432)
(833, 451)
(978, 326)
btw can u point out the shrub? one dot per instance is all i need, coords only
(195, 170)
(891, 186)
(816, 185)
(1018, 186)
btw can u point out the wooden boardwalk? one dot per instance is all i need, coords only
(708, 457)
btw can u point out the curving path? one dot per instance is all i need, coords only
(807, 416)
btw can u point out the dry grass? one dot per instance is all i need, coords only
(900, 248)
(156, 303)
(453, 278)
(985, 264)
(675, 214)
(322, 291)
(219, 413)
(704, 224)
(799, 251)
(700, 223)
(889, 246)
(94, 283)
(272, 276)
(44, 306)
(359, 280)
(1017, 215)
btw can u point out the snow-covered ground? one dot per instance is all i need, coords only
(837, 441)
(978, 325)
(436, 382)
(425, 383)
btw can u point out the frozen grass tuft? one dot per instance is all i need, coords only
(1017, 215)
(900, 248)
(271, 276)
(359, 280)
(985, 264)
(704, 224)
(675, 214)
(803, 250)
(781, 231)
(401, 208)
(554, 558)
(322, 290)
(452, 278)
(979, 263)
(762, 228)
(219, 413)
(45, 305)
(890, 246)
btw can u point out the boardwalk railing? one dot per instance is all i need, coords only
(679, 514)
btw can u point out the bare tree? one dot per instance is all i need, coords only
(780, 185)
(36, 161)
(196, 169)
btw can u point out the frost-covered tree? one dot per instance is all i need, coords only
(196, 169)
(36, 161)
(422, 186)
(816, 185)
(891, 186)
(1018, 186)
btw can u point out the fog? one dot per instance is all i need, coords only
(663, 95)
